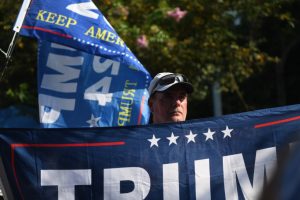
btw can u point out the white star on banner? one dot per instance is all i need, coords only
(93, 121)
(191, 137)
(154, 141)
(172, 139)
(209, 134)
(227, 132)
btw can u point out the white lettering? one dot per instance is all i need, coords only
(84, 9)
(57, 82)
(48, 117)
(66, 180)
(99, 91)
(55, 106)
(58, 46)
(101, 67)
(202, 179)
(113, 177)
(171, 181)
(234, 167)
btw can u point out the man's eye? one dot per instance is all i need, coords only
(182, 96)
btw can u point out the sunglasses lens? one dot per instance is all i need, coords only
(167, 80)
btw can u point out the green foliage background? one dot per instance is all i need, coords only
(233, 42)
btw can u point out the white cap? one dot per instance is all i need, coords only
(165, 80)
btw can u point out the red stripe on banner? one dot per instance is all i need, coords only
(141, 110)
(277, 122)
(14, 146)
(14, 171)
(47, 31)
(97, 144)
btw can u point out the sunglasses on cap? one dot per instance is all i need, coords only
(169, 79)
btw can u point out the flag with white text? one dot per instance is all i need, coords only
(88, 77)
(230, 157)
(77, 89)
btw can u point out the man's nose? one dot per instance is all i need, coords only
(177, 102)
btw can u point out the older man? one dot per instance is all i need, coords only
(168, 97)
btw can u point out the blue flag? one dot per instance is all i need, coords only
(77, 89)
(230, 157)
(78, 24)
(103, 86)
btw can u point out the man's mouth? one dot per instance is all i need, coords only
(176, 112)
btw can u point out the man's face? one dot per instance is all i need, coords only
(170, 105)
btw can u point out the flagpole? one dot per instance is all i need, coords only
(17, 28)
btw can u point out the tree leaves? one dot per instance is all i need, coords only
(214, 41)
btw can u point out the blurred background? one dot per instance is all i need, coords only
(239, 55)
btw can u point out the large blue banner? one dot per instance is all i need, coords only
(77, 89)
(230, 157)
